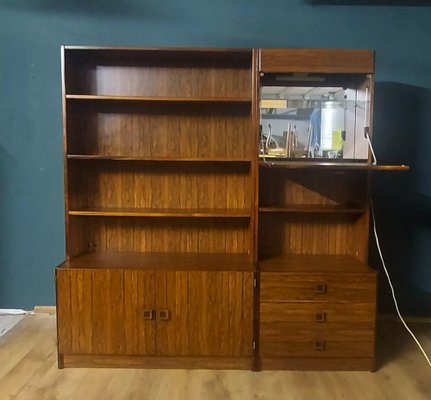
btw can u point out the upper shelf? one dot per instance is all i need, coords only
(312, 263)
(161, 159)
(86, 97)
(331, 165)
(312, 208)
(162, 212)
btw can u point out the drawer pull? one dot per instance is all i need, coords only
(148, 314)
(319, 345)
(321, 288)
(163, 315)
(320, 317)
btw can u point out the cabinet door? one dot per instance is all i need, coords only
(204, 313)
(102, 312)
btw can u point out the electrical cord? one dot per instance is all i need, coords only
(392, 287)
(367, 135)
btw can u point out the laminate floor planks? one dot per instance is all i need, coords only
(28, 370)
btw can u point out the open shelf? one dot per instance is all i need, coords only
(87, 97)
(331, 165)
(311, 208)
(158, 159)
(167, 261)
(312, 263)
(162, 212)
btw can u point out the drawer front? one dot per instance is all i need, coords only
(316, 287)
(292, 332)
(319, 347)
(319, 314)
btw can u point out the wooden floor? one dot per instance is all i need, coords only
(28, 370)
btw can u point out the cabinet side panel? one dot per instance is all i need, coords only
(64, 317)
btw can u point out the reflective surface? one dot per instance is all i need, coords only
(314, 122)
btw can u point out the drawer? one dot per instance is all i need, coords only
(317, 313)
(318, 287)
(318, 347)
(280, 331)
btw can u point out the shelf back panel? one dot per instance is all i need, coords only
(314, 234)
(312, 187)
(160, 130)
(164, 185)
(155, 73)
(160, 235)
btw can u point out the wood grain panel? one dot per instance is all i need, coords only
(319, 364)
(101, 312)
(304, 347)
(108, 336)
(279, 187)
(184, 235)
(127, 361)
(281, 314)
(63, 296)
(314, 233)
(162, 261)
(144, 185)
(317, 60)
(340, 287)
(207, 314)
(169, 73)
(159, 130)
(139, 295)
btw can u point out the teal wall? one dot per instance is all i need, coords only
(31, 171)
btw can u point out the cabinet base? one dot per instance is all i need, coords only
(318, 364)
(119, 361)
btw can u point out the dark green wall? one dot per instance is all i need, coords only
(31, 172)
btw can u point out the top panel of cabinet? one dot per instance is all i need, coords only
(331, 61)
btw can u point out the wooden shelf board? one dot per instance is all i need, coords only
(161, 159)
(312, 263)
(166, 261)
(169, 50)
(89, 97)
(311, 208)
(331, 165)
(162, 212)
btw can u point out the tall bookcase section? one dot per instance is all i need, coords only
(317, 294)
(160, 208)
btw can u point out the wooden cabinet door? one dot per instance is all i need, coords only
(102, 312)
(204, 313)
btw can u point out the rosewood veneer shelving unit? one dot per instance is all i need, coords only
(186, 251)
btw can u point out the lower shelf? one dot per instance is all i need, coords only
(167, 261)
(312, 263)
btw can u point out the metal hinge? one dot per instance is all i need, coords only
(254, 282)
(254, 345)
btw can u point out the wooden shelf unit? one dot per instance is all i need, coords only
(160, 208)
(185, 249)
(317, 294)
